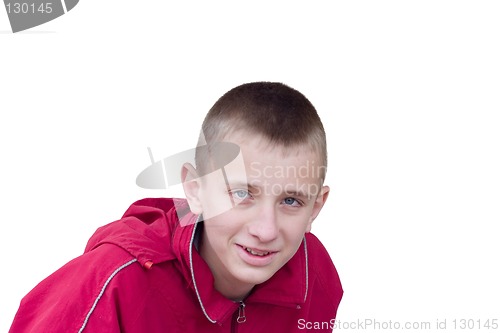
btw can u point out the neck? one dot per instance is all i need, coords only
(230, 291)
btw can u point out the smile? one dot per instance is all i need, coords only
(256, 252)
(256, 257)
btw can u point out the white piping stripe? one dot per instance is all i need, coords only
(102, 292)
(307, 269)
(192, 271)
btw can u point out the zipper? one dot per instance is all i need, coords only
(241, 313)
(239, 317)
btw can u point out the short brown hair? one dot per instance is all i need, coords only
(277, 112)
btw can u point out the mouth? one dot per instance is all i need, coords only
(256, 252)
(256, 257)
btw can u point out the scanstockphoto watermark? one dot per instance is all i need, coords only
(308, 170)
(446, 324)
(306, 179)
(26, 14)
(362, 324)
(234, 179)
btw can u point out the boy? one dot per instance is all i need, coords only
(236, 256)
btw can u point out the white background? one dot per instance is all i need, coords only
(409, 92)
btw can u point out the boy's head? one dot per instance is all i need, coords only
(281, 115)
(260, 202)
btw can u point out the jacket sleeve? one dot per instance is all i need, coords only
(69, 299)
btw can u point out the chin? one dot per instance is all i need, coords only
(255, 276)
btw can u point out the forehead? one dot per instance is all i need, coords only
(256, 146)
(260, 162)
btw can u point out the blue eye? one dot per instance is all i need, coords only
(240, 194)
(291, 202)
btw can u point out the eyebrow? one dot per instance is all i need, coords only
(291, 192)
(299, 194)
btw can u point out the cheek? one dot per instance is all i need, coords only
(214, 197)
(296, 220)
(222, 228)
(215, 205)
(293, 230)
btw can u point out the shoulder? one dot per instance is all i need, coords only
(95, 269)
(73, 291)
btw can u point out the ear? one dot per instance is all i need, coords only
(192, 186)
(318, 204)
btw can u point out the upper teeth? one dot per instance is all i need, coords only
(256, 253)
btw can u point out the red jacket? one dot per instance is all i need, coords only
(142, 274)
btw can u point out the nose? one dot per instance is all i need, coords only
(265, 226)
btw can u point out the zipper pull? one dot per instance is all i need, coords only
(241, 313)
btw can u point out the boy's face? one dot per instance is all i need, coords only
(256, 216)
